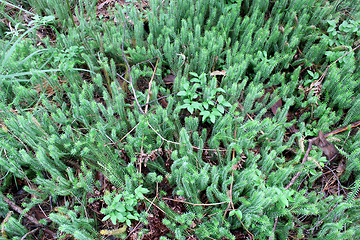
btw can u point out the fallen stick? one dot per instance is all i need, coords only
(30, 218)
(327, 149)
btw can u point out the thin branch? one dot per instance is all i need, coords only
(195, 204)
(130, 77)
(233, 207)
(319, 222)
(20, 211)
(158, 99)
(323, 75)
(31, 218)
(123, 78)
(151, 203)
(338, 181)
(138, 224)
(124, 136)
(342, 129)
(311, 141)
(194, 147)
(251, 235)
(275, 225)
(293, 180)
(28, 233)
(135, 65)
(162, 138)
(150, 84)
(6, 219)
(302, 162)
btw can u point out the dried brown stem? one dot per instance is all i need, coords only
(138, 224)
(302, 162)
(195, 204)
(150, 84)
(30, 218)
(130, 77)
(28, 233)
(323, 75)
(152, 203)
(311, 141)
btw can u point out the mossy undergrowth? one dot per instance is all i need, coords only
(178, 119)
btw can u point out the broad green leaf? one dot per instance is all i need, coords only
(129, 207)
(220, 98)
(212, 118)
(139, 191)
(197, 105)
(220, 90)
(186, 85)
(194, 96)
(190, 109)
(128, 222)
(130, 202)
(220, 108)
(117, 198)
(205, 105)
(196, 80)
(216, 112)
(186, 105)
(105, 218)
(205, 114)
(120, 217)
(310, 73)
(182, 93)
(332, 23)
(121, 208)
(113, 218)
(226, 104)
(194, 74)
(130, 216)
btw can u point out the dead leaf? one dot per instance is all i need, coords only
(3, 126)
(169, 79)
(218, 73)
(102, 4)
(341, 168)
(329, 150)
(276, 106)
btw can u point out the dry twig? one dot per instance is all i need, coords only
(150, 84)
(32, 219)
(194, 204)
(129, 71)
(311, 141)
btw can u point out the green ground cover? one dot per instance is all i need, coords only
(179, 119)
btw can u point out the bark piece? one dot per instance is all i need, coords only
(328, 149)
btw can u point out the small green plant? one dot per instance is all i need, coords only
(189, 94)
(314, 76)
(211, 111)
(208, 107)
(122, 206)
(339, 35)
(340, 38)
